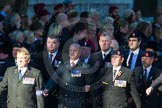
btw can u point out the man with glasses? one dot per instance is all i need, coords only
(134, 54)
(23, 83)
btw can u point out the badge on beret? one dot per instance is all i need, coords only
(85, 43)
(133, 34)
(146, 54)
(118, 52)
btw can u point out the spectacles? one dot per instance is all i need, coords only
(133, 40)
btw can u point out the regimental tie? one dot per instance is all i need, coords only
(130, 60)
(50, 58)
(145, 75)
(19, 75)
(72, 64)
(114, 74)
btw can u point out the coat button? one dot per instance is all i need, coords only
(66, 95)
(66, 83)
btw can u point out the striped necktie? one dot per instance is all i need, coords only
(72, 65)
(114, 74)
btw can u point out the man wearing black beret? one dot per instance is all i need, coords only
(144, 76)
(133, 55)
(117, 82)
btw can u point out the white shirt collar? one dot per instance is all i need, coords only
(107, 52)
(118, 68)
(148, 71)
(75, 61)
(54, 54)
(148, 68)
(136, 51)
(23, 70)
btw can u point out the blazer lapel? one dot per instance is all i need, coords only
(109, 74)
(67, 65)
(15, 75)
(150, 75)
(100, 56)
(79, 63)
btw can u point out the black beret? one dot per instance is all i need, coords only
(134, 35)
(84, 43)
(148, 54)
(117, 52)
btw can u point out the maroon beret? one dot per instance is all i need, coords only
(112, 8)
(42, 12)
(38, 7)
(60, 5)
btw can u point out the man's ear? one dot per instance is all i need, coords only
(122, 59)
(139, 41)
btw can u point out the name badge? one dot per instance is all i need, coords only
(76, 73)
(120, 83)
(28, 80)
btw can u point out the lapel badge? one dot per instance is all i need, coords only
(133, 34)
(57, 63)
(118, 52)
(150, 78)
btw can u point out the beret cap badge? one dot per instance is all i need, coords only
(133, 34)
(118, 52)
(85, 43)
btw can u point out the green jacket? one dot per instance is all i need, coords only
(24, 93)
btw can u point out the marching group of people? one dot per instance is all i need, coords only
(72, 60)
